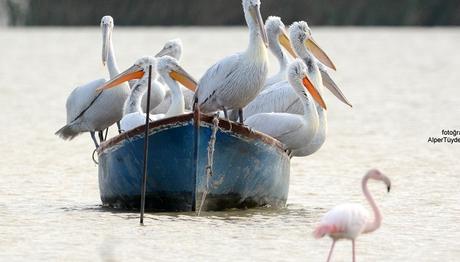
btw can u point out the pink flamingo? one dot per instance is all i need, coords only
(348, 221)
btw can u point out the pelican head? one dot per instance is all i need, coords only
(254, 18)
(300, 34)
(276, 32)
(136, 71)
(377, 175)
(107, 27)
(169, 66)
(172, 48)
(300, 79)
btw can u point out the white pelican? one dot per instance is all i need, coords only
(237, 79)
(277, 35)
(169, 69)
(280, 97)
(172, 48)
(88, 111)
(294, 131)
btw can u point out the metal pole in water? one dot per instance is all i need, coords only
(196, 142)
(146, 148)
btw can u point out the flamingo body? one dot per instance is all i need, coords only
(345, 221)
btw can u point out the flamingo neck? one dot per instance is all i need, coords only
(375, 224)
(111, 61)
(133, 103)
(177, 98)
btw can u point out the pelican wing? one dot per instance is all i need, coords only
(280, 98)
(81, 98)
(277, 125)
(273, 80)
(216, 78)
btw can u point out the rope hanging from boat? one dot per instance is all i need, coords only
(209, 166)
(93, 156)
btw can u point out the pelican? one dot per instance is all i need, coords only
(280, 97)
(293, 130)
(88, 111)
(237, 79)
(172, 48)
(169, 69)
(277, 35)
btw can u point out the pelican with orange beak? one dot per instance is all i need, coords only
(166, 67)
(293, 130)
(280, 97)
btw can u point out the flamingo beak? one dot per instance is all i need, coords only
(134, 72)
(257, 17)
(105, 43)
(286, 43)
(387, 182)
(314, 92)
(319, 53)
(181, 76)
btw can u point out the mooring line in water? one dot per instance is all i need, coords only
(146, 149)
(209, 166)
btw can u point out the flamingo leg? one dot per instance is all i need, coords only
(93, 136)
(353, 249)
(330, 251)
(240, 115)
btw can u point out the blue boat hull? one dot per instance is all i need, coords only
(249, 169)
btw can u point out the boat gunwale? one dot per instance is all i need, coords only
(224, 125)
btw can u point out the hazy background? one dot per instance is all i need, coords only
(228, 12)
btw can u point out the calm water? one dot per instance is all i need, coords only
(404, 87)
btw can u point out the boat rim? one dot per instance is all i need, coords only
(224, 125)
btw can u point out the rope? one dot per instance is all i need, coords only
(94, 158)
(209, 166)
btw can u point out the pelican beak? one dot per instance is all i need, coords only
(329, 83)
(314, 92)
(286, 43)
(181, 76)
(257, 17)
(134, 72)
(162, 52)
(319, 53)
(105, 43)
